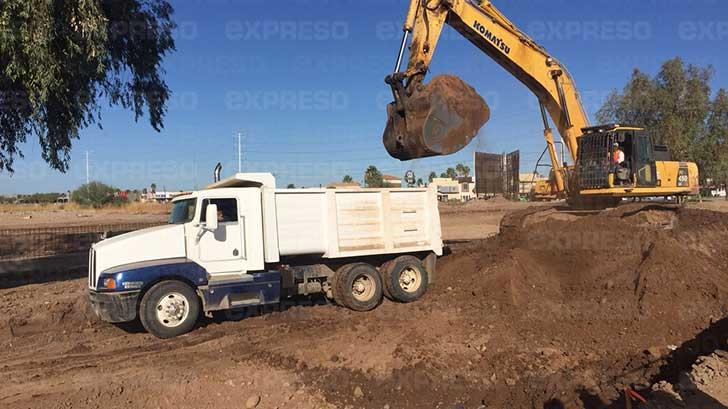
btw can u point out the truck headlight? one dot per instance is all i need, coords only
(109, 283)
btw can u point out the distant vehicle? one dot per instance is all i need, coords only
(241, 242)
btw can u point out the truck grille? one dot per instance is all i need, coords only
(92, 269)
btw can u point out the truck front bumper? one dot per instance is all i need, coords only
(114, 307)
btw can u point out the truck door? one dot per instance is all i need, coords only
(643, 158)
(222, 250)
(237, 245)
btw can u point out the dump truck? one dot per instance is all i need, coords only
(241, 242)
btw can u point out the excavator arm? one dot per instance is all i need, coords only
(419, 125)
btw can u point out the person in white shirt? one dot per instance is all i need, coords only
(618, 155)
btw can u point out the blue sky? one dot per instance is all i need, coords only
(304, 81)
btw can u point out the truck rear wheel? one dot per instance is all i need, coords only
(168, 309)
(405, 279)
(358, 287)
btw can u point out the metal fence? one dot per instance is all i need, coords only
(497, 174)
(42, 242)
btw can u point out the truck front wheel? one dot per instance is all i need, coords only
(405, 279)
(357, 286)
(169, 308)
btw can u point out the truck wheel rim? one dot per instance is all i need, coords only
(363, 288)
(410, 279)
(172, 310)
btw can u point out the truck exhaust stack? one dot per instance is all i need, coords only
(439, 118)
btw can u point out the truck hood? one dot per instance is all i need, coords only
(156, 243)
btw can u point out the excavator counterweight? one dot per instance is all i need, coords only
(439, 118)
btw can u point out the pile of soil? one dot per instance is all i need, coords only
(611, 292)
(559, 310)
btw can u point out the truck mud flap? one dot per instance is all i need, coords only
(263, 288)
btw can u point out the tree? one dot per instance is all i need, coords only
(347, 179)
(94, 194)
(291, 186)
(420, 182)
(713, 158)
(462, 170)
(676, 106)
(450, 173)
(373, 177)
(60, 60)
(432, 176)
(153, 187)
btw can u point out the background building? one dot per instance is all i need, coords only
(460, 189)
(392, 181)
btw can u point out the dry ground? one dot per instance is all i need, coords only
(564, 310)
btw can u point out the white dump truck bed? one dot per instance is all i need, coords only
(338, 223)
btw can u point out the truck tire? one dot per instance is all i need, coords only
(358, 287)
(405, 279)
(169, 309)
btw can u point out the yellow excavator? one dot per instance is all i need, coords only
(609, 162)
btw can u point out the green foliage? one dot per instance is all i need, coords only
(713, 148)
(347, 179)
(373, 177)
(60, 59)
(291, 186)
(41, 198)
(676, 105)
(432, 176)
(450, 173)
(462, 169)
(95, 194)
(420, 182)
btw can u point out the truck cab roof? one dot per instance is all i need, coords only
(238, 180)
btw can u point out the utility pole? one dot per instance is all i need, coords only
(88, 177)
(240, 153)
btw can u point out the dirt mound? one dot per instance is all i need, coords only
(638, 259)
(704, 386)
(590, 289)
(564, 308)
(50, 308)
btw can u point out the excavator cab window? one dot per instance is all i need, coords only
(624, 141)
(643, 158)
(639, 159)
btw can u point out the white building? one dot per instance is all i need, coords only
(461, 189)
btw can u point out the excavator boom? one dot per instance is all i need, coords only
(424, 120)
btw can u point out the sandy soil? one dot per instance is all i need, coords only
(558, 310)
(26, 219)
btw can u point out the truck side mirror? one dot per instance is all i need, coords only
(211, 217)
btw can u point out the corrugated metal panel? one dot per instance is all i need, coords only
(497, 174)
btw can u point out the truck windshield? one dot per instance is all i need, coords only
(183, 211)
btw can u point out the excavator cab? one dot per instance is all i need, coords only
(597, 163)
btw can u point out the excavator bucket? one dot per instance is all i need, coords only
(440, 118)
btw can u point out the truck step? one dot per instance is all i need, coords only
(242, 290)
